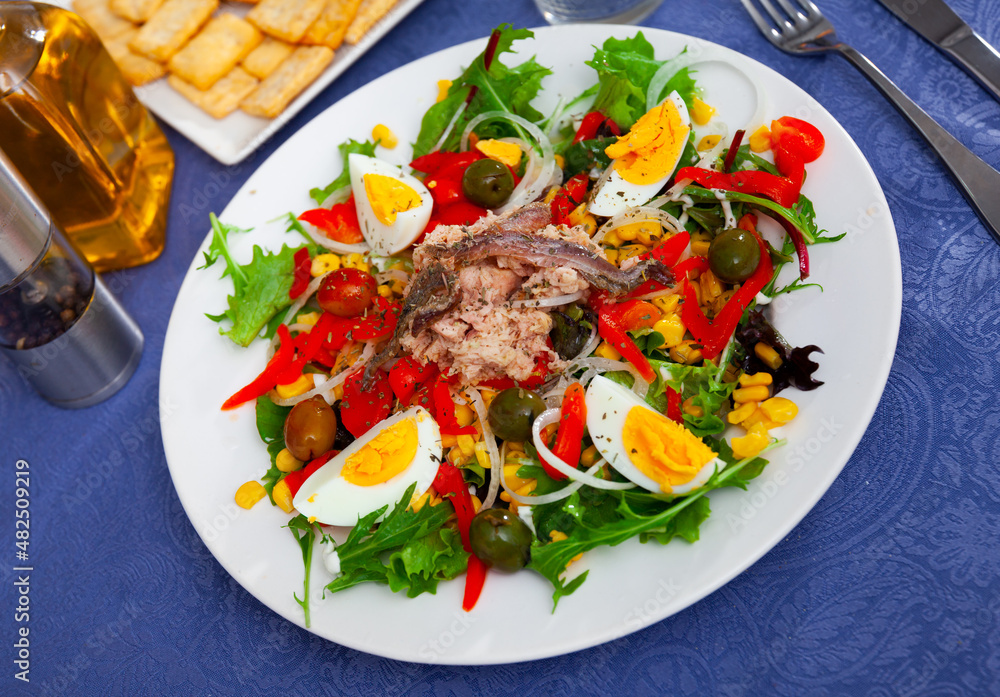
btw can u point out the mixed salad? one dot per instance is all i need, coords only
(549, 333)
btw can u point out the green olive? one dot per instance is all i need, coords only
(734, 255)
(310, 429)
(513, 411)
(500, 539)
(487, 183)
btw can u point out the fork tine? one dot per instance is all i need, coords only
(794, 13)
(763, 25)
(781, 20)
(812, 11)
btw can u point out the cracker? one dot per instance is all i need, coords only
(138, 70)
(284, 84)
(137, 11)
(98, 14)
(369, 12)
(264, 59)
(331, 26)
(171, 26)
(287, 20)
(224, 42)
(223, 97)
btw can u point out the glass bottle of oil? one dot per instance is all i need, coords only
(71, 124)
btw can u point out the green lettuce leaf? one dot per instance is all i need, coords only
(423, 562)
(344, 178)
(271, 428)
(704, 385)
(500, 88)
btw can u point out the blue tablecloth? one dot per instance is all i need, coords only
(888, 587)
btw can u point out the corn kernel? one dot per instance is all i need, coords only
(589, 456)
(286, 462)
(626, 232)
(324, 263)
(384, 136)
(711, 288)
(249, 494)
(385, 291)
(689, 407)
(667, 303)
(671, 328)
(589, 224)
(645, 232)
(303, 384)
(630, 250)
(612, 239)
(560, 161)
(760, 141)
(606, 350)
(527, 488)
(476, 503)
(448, 441)
(708, 142)
(611, 255)
(701, 113)
(457, 457)
(310, 318)
(699, 248)
(482, 455)
(501, 151)
(443, 87)
(515, 446)
(755, 393)
(751, 379)
(742, 412)
(356, 261)
(576, 215)
(550, 195)
(467, 445)
(685, 353)
(420, 502)
(779, 409)
(512, 480)
(751, 444)
(767, 355)
(759, 418)
(487, 394)
(464, 414)
(283, 496)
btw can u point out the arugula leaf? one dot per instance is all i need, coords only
(704, 385)
(801, 220)
(360, 553)
(586, 155)
(500, 88)
(260, 288)
(344, 178)
(423, 562)
(305, 534)
(551, 558)
(271, 428)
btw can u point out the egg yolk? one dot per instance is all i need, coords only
(389, 197)
(649, 151)
(663, 450)
(383, 457)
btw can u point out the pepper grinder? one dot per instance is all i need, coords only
(59, 325)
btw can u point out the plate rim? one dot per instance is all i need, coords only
(776, 535)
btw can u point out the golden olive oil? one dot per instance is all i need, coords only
(71, 124)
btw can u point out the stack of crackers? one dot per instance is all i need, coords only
(222, 61)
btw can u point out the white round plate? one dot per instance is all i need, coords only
(211, 452)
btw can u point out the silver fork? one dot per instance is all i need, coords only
(801, 29)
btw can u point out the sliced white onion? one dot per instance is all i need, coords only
(548, 302)
(338, 196)
(598, 365)
(538, 175)
(658, 293)
(593, 343)
(551, 416)
(496, 464)
(666, 71)
(334, 380)
(648, 212)
(339, 247)
(448, 129)
(392, 275)
(554, 496)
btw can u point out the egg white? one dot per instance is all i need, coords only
(617, 195)
(332, 500)
(387, 239)
(608, 403)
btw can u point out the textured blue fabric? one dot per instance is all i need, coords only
(888, 587)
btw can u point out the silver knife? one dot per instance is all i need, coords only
(939, 24)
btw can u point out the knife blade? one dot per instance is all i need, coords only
(939, 24)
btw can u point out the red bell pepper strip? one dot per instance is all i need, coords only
(438, 160)
(674, 405)
(569, 437)
(362, 409)
(667, 252)
(588, 127)
(449, 483)
(444, 410)
(300, 282)
(782, 190)
(295, 479)
(408, 375)
(268, 378)
(690, 264)
(713, 335)
(612, 332)
(339, 222)
(307, 346)
(571, 195)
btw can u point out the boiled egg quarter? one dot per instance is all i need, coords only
(644, 159)
(375, 470)
(645, 446)
(393, 207)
